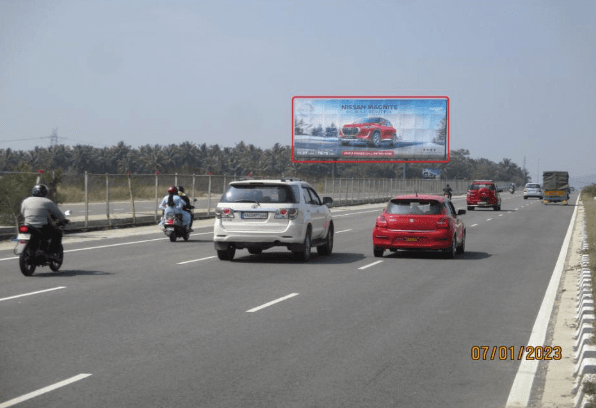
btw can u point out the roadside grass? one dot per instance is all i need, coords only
(589, 203)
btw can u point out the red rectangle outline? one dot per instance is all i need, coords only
(374, 161)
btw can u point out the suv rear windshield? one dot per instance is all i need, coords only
(532, 185)
(479, 186)
(262, 193)
(413, 207)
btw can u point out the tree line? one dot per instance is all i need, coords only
(243, 159)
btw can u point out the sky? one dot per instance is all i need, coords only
(520, 75)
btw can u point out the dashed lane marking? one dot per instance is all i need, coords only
(33, 293)
(369, 265)
(281, 299)
(43, 390)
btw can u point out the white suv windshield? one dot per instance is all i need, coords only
(261, 193)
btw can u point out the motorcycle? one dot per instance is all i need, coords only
(447, 195)
(32, 248)
(173, 227)
(512, 189)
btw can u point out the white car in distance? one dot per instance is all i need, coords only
(260, 214)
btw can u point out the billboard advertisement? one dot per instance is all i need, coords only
(387, 129)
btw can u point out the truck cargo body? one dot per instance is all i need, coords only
(556, 187)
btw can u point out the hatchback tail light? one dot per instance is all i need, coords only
(224, 212)
(443, 223)
(24, 229)
(381, 222)
(286, 213)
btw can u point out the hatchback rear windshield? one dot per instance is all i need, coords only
(479, 186)
(532, 185)
(261, 193)
(413, 207)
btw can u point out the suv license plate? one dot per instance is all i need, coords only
(482, 203)
(254, 215)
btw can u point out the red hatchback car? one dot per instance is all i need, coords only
(420, 222)
(373, 131)
(483, 194)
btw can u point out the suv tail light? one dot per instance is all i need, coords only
(224, 212)
(286, 213)
(24, 229)
(443, 223)
(381, 222)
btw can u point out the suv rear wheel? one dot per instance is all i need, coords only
(226, 254)
(328, 246)
(304, 254)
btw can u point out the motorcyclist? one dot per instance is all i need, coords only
(448, 190)
(37, 211)
(187, 207)
(172, 203)
(512, 188)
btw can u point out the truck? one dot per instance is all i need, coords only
(555, 185)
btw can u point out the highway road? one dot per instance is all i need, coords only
(137, 321)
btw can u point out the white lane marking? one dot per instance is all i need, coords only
(500, 215)
(360, 212)
(474, 225)
(281, 299)
(516, 209)
(519, 396)
(508, 212)
(43, 390)
(339, 232)
(369, 265)
(195, 260)
(33, 293)
(488, 219)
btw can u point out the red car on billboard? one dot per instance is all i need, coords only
(374, 131)
(420, 222)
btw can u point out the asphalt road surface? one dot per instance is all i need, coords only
(137, 321)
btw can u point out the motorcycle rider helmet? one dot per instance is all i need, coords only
(39, 190)
(172, 190)
(181, 189)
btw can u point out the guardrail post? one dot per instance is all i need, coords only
(86, 199)
(132, 199)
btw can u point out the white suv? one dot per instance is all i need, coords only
(260, 214)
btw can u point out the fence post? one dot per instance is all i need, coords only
(86, 199)
(325, 188)
(352, 190)
(175, 179)
(108, 200)
(132, 198)
(333, 192)
(340, 191)
(209, 198)
(156, 198)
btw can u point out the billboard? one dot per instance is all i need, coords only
(360, 129)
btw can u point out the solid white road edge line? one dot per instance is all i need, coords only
(281, 299)
(339, 232)
(195, 260)
(519, 396)
(33, 293)
(43, 390)
(473, 225)
(369, 265)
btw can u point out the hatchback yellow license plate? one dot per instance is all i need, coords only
(411, 239)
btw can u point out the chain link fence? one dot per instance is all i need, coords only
(111, 199)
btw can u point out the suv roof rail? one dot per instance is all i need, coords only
(290, 179)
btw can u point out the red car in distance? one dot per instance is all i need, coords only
(373, 131)
(483, 194)
(420, 222)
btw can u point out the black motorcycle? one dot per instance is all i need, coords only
(512, 189)
(32, 248)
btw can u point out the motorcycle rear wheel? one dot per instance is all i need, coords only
(27, 262)
(173, 236)
(55, 265)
